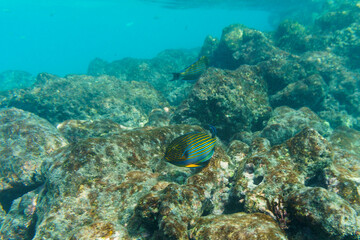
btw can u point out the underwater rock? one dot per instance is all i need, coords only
(279, 72)
(106, 180)
(20, 221)
(26, 141)
(208, 48)
(170, 210)
(75, 130)
(306, 183)
(159, 117)
(298, 39)
(232, 101)
(292, 36)
(244, 136)
(342, 177)
(173, 208)
(340, 26)
(238, 150)
(346, 139)
(156, 71)
(328, 215)
(15, 79)
(82, 97)
(253, 226)
(269, 174)
(309, 92)
(347, 43)
(241, 45)
(285, 122)
(337, 116)
(332, 21)
(341, 105)
(328, 65)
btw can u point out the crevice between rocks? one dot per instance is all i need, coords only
(9, 195)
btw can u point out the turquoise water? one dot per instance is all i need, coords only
(62, 37)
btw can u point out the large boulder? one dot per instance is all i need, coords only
(285, 122)
(241, 45)
(282, 71)
(342, 177)
(230, 100)
(310, 92)
(26, 141)
(82, 97)
(325, 212)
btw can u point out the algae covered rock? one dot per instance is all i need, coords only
(171, 209)
(27, 140)
(75, 130)
(292, 36)
(346, 139)
(82, 97)
(340, 107)
(101, 185)
(232, 101)
(309, 92)
(342, 177)
(282, 71)
(269, 174)
(160, 117)
(335, 20)
(325, 212)
(307, 184)
(156, 71)
(166, 213)
(241, 45)
(20, 221)
(254, 226)
(285, 122)
(209, 46)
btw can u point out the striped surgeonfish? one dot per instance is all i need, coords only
(191, 150)
(193, 71)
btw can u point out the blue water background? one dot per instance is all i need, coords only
(63, 36)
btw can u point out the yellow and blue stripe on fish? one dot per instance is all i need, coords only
(193, 71)
(191, 150)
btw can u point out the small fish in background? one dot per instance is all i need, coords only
(191, 150)
(193, 71)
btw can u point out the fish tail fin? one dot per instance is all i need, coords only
(176, 76)
(213, 130)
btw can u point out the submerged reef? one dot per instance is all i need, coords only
(82, 97)
(82, 155)
(156, 71)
